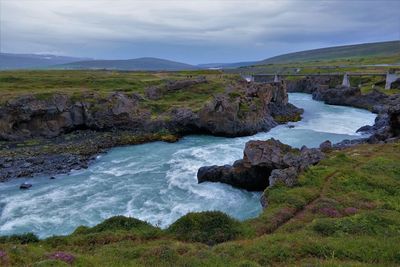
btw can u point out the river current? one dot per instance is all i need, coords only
(156, 182)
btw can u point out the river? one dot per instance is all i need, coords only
(156, 182)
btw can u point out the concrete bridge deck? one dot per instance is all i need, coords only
(390, 77)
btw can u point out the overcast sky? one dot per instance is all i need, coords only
(192, 31)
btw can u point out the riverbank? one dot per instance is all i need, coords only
(266, 163)
(383, 103)
(55, 132)
(156, 182)
(339, 208)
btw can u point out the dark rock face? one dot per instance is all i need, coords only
(264, 163)
(312, 83)
(395, 84)
(287, 176)
(27, 117)
(246, 112)
(25, 186)
(351, 97)
(245, 115)
(326, 146)
(237, 176)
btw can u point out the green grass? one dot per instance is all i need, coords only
(359, 52)
(45, 83)
(344, 211)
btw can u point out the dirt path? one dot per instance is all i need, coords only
(300, 213)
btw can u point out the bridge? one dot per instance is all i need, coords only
(390, 77)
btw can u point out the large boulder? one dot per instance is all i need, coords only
(269, 154)
(264, 163)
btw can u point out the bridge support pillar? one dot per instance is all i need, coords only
(346, 81)
(276, 79)
(390, 77)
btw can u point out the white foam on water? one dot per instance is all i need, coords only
(157, 182)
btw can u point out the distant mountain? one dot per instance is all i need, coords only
(145, 63)
(338, 52)
(31, 61)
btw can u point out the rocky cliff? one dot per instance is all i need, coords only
(243, 109)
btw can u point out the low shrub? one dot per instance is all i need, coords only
(116, 223)
(20, 239)
(210, 227)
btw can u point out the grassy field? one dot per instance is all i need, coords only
(344, 212)
(43, 84)
(77, 82)
(14, 83)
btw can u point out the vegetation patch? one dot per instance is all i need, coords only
(210, 227)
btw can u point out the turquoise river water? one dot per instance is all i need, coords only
(157, 182)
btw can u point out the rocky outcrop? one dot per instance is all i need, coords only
(351, 97)
(248, 113)
(309, 84)
(264, 163)
(245, 110)
(28, 116)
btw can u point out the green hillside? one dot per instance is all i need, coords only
(381, 49)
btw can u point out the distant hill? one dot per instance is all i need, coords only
(368, 50)
(338, 52)
(30, 61)
(145, 63)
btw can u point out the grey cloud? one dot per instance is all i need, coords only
(101, 27)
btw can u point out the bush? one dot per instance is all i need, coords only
(210, 227)
(116, 223)
(20, 239)
(325, 227)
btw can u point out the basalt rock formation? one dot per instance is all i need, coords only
(28, 116)
(264, 163)
(244, 109)
(312, 83)
(351, 97)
